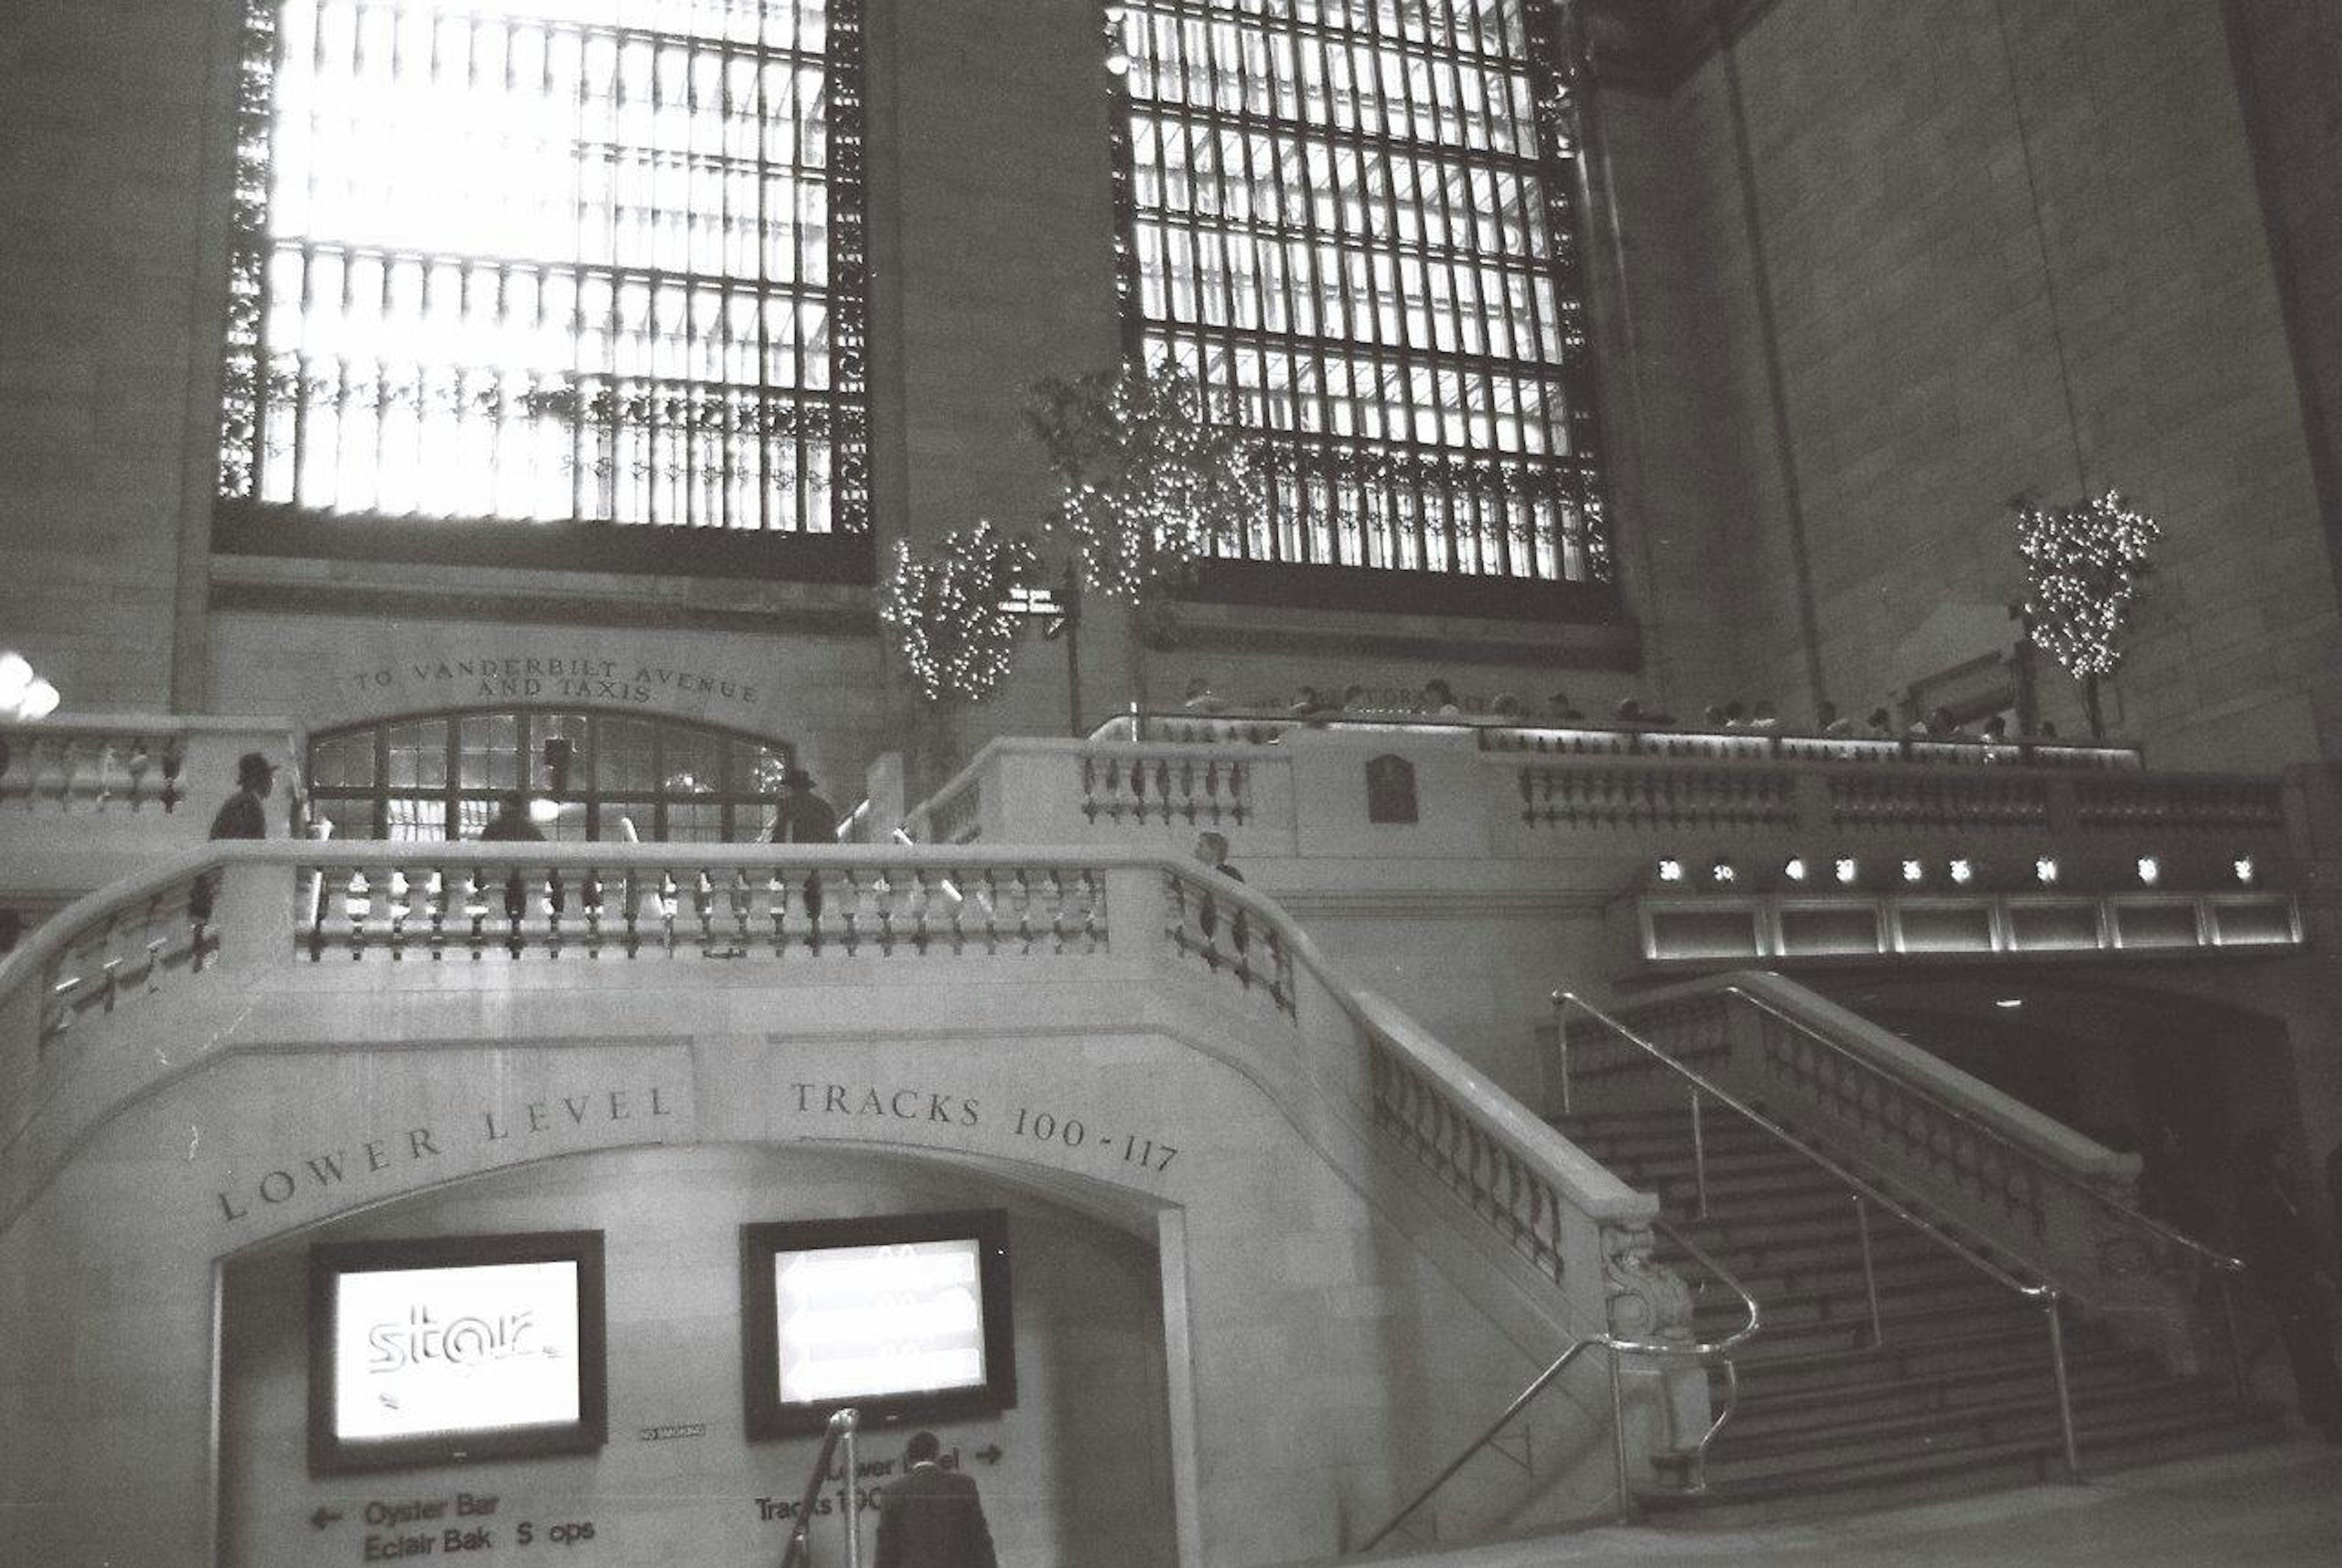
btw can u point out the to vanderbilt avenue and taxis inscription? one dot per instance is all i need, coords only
(517, 1126)
(562, 676)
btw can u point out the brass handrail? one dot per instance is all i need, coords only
(1616, 1346)
(2133, 1216)
(2047, 1295)
(838, 1433)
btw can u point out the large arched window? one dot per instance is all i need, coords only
(439, 776)
(547, 262)
(1355, 220)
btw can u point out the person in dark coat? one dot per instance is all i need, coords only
(931, 1517)
(805, 818)
(511, 824)
(241, 815)
(2280, 1248)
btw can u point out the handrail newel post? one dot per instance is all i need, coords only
(1869, 1272)
(1619, 1433)
(2050, 1307)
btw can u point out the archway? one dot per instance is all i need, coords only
(1080, 1468)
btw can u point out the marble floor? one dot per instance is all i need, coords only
(2270, 1508)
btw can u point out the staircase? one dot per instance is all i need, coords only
(1957, 1397)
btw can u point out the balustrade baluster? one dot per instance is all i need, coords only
(475, 910)
(669, 898)
(630, 911)
(590, 902)
(318, 900)
(1089, 787)
(401, 897)
(357, 908)
(991, 911)
(1023, 909)
(743, 899)
(436, 899)
(703, 907)
(850, 928)
(882, 892)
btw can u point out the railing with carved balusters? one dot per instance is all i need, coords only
(130, 764)
(78, 1001)
(2065, 1205)
(670, 902)
(1499, 733)
(1022, 791)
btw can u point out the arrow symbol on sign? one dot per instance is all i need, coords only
(323, 1517)
(989, 1454)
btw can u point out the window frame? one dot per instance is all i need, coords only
(1381, 249)
(585, 785)
(842, 553)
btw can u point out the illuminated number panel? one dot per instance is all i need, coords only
(1354, 220)
(590, 261)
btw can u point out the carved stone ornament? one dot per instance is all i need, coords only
(1644, 1300)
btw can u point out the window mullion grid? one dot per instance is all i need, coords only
(1548, 49)
(845, 304)
(1392, 476)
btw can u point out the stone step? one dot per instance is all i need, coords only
(1905, 1325)
(1839, 1290)
(1763, 1412)
(1821, 1247)
(1896, 1480)
(1858, 1456)
(2007, 1410)
(2018, 1342)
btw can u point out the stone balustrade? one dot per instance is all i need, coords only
(85, 1003)
(130, 764)
(86, 800)
(1495, 733)
(1395, 792)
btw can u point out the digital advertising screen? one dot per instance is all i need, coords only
(903, 1316)
(455, 1348)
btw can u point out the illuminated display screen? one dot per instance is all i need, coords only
(438, 1350)
(858, 1321)
(907, 1315)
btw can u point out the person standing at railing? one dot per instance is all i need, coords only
(242, 815)
(2280, 1248)
(1212, 849)
(931, 1517)
(804, 818)
(512, 824)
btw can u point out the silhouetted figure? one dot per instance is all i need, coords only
(1567, 712)
(1880, 725)
(804, 818)
(1202, 699)
(1439, 699)
(2279, 1247)
(512, 824)
(931, 1517)
(241, 815)
(1212, 849)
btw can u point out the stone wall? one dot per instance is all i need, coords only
(1936, 208)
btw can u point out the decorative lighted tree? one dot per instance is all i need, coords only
(950, 614)
(1149, 483)
(2082, 567)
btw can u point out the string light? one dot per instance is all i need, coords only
(949, 615)
(1149, 481)
(2082, 566)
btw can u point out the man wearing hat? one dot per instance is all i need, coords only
(241, 815)
(805, 818)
